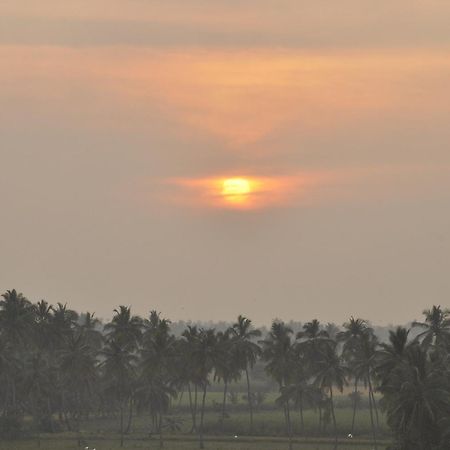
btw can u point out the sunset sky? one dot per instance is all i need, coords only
(276, 158)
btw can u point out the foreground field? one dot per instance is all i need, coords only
(268, 421)
(187, 444)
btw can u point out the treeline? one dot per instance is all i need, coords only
(60, 368)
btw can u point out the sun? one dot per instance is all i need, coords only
(232, 187)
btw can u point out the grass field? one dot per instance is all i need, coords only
(268, 419)
(186, 444)
(269, 430)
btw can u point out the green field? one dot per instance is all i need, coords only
(186, 444)
(269, 429)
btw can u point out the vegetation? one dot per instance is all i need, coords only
(60, 370)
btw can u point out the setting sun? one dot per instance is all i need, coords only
(236, 186)
(242, 192)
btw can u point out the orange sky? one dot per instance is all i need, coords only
(120, 122)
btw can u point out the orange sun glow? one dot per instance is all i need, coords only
(237, 192)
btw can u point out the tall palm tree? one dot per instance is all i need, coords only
(436, 327)
(312, 341)
(299, 390)
(279, 353)
(158, 368)
(17, 315)
(90, 327)
(119, 371)
(205, 356)
(331, 373)
(246, 352)
(226, 368)
(188, 367)
(417, 397)
(17, 318)
(393, 353)
(364, 363)
(351, 337)
(124, 328)
(78, 367)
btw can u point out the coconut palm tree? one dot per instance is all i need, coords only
(90, 327)
(78, 368)
(246, 352)
(393, 353)
(331, 372)
(364, 363)
(279, 353)
(205, 356)
(16, 316)
(158, 369)
(417, 397)
(312, 341)
(189, 369)
(436, 327)
(299, 390)
(226, 368)
(351, 336)
(124, 328)
(119, 371)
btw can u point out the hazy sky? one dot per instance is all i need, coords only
(120, 119)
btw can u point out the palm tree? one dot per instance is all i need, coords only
(393, 353)
(188, 367)
(417, 397)
(155, 393)
(279, 353)
(246, 352)
(205, 356)
(436, 327)
(119, 371)
(354, 329)
(158, 371)
(331, 372)
(364, 364)
(78, 367)
(124, 328)
(299, 390)
(17, 315)
(226, 368)
(90, 327)
(312, 340)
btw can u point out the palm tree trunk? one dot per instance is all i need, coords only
(320, 419)
(191, 406)
(355, 391)
(288, 420)
(195, 406)
(375, 407)
(333, 415)
(14, 400)
(302, 422)
(49, 412)
(161, 441)
(130, 416)
(250, 406)
(225, 388)
(180, 398)
(202, 445)
(121, 424)
(371, 416)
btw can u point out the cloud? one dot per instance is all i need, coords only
(289, 24)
